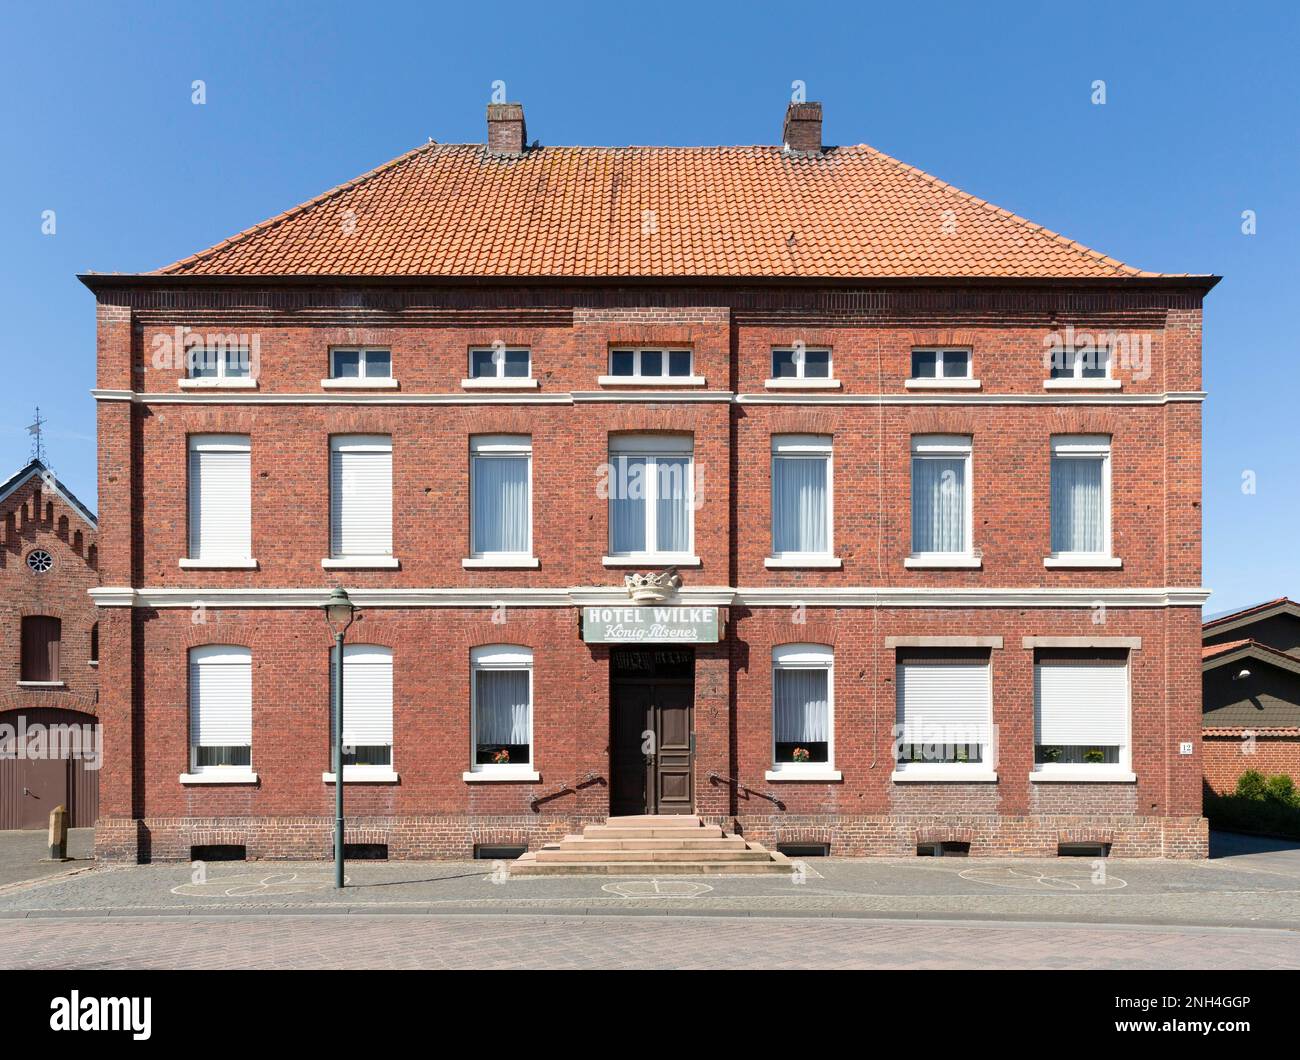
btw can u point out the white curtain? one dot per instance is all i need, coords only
(500, 491)
(672, 506)
(501, 706)
(799, 504)
(1077, 518)
(938, 504)
(627, 504)
(800, 708)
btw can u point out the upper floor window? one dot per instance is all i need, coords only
(945, 710)
(651, 497)
(803, 732)
(94, 644)
(1082, 361)
(941, 501)
(219, 362)
(221, 708)
(941, 363)
(801, 496)
(650, 364)
(800, 362)
(1080, 499)
(1081, 712)
(501, 512)
(363, 363)
(361, 500)
(41, 636)
(501, 709)
(367, 709)
(39, 561)
(220, 500)
(499, 362)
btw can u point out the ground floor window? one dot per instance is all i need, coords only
(1081, 710)
(802, 708)
(221, 707)
(945, 709)
(502, 708)
(367, 705)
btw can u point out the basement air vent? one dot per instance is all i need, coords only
(946, 849)
(365, 851)
(804, 850)
(219, 852)
(497, 851)
(1083, 850)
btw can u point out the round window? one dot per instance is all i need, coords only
(39, 560)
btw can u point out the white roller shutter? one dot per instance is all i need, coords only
(1081, 703)
(221, 696)
(361, 496)
(221, 507)
(367, 695)
(944, 702)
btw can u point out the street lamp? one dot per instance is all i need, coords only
(339, 613)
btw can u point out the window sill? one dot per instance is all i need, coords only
(218, 564)
(802, 384)
(941, 562)
(501, 383)
(218, 384)
(42, 684)
(812, 776)
(942, 384)
(652, 559)
(500, 776)
(651, 381)
(1082, 562)
(359, 384)
(94, 663)
(499, 562)
(233, 776)
(1082, 384)
(810, 562)
(1082, 776)
(361, 563)
(363, 774)
(942, 775)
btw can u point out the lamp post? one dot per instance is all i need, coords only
(339, 613)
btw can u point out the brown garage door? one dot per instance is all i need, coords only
(58, 772)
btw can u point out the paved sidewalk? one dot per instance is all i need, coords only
(22, 854)
(560, 942)
(1237, 892)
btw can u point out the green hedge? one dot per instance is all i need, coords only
(1267, 805)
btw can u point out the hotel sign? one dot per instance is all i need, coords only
(650, 625)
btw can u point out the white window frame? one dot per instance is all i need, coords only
(498, 380)
(500, 657)
(489, 446)
(971, 772)
(638, 379)
(1086, 447)
(218, 655)
(363, 773)
(190, 381)
(359, 443)
(804, 657)
(362, 381)
(800, 381)
(651, 447)
(939, 381)
(788, 446)
(1077, 380)
(216, 443)
(945, 446)
(1102, 772)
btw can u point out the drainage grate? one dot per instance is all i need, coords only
(365, 851)
(947, 849)
(498, 851)
(1083, 850)
(219, 852)
(804, 850)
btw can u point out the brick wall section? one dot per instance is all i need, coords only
(1227, 757)
(432, 811)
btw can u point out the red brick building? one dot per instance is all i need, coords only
(927, 473)
(49, 652)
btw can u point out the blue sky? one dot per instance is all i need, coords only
(1201, 122)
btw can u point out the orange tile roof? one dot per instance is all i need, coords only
(455, 210)
(1208, 650)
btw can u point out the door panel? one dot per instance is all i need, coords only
(629, 771)
(44, 784)
(673, 772)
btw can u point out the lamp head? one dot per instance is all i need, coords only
(339, 609)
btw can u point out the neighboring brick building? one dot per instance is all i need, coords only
(48, 652)
(1251, 698)
(632, 358)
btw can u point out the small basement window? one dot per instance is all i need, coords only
(365, 851)
(219, 852)
(804, 850)
(947, 849)
(1083, 850)
(498, 851)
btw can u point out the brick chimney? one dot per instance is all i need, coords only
(802, 133)
(506, 132)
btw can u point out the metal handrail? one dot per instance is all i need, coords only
(588, 778)
(717, 777)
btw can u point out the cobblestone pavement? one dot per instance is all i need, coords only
(558, 942)
(21, 854)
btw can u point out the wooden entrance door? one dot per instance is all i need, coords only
(652, 756)
(34, 784)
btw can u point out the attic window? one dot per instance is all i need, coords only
(39, 561)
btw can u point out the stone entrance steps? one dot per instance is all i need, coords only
(660, 845)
